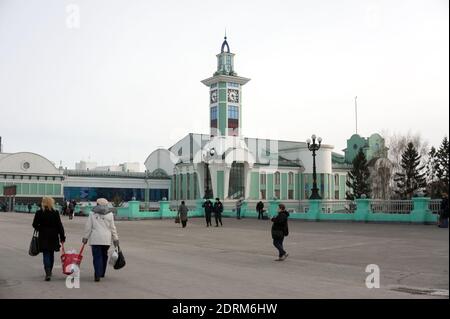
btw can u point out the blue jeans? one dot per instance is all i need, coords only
(49, 258)
(100, 258)
(278, 243)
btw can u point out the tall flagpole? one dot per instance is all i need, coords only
(356, 114)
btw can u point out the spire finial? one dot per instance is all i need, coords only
(225, 37)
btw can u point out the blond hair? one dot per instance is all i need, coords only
(47, 203)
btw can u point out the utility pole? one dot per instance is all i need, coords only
(356, 114)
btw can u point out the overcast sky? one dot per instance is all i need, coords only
(128, 79)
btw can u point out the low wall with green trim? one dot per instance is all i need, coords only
(363, 213)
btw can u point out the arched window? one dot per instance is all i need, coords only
(291, 178)
(277, 178)
(262, 178)
(188, 186)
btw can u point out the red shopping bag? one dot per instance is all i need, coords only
(68, 261)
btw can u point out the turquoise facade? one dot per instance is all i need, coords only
(419, 214)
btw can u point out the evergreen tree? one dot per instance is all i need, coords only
(358, 177)
(410, 178)
(442, 165)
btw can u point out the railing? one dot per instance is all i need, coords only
(435, 206)
(191, 205)
(338, 206)
(148, 206)
(391, 206)
(296, 206)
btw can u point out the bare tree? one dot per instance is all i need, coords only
(380, 176)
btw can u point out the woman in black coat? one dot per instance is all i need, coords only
(280, 230)
(51, 232)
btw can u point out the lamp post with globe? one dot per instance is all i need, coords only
(314, 147)
(207, 155)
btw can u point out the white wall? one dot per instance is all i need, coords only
(323, 160)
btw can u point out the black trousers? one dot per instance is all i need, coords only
(260, 214)
(278, 243)
(208, 219)
(184, 222)
(218, 217)
(48, 258)
(100, 259)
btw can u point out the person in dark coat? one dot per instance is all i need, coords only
(260, 209)
(238, 208)
(29, 208)
(208, 206)
(183, 213)
(280, 230)
(71, 209)
(443, 213)
(218, 209)
(51, 232)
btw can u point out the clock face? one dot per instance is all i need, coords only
(213, 97)
(233, 96)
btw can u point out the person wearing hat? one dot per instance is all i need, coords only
(99, 232)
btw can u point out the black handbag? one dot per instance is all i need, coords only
(120, 262)
(34, 244)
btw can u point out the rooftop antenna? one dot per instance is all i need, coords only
(356, 114)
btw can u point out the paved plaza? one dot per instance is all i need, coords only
(327, 260)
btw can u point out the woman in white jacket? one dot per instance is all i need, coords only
(99, 231)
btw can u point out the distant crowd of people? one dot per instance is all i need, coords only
(279, 227)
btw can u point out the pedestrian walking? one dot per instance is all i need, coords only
(208, 206)
(29, 208)
(71, 209)
(218, 209)
(183, 213)
(260, 209)
(238, 208)
(280, 230)
(47, 223)
(443, 212)
(99, 231)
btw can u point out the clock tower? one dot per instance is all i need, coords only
(225, 93)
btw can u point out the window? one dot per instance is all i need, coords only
(214, 116)
(180, 151)
(188, 188)
(291, 178)
(214, 113)
(291, 194)
(277, 193)
(336, 186)
(233, 119)
(262, 179)
(277, 178)
(263, 193)
(180, 186)
(174, 187)
(233, 85)
(214, 85)
(233, 112)
(195, 186)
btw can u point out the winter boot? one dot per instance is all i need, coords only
(48, 274)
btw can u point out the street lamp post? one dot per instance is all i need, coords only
(206, 157)
(314, 147)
